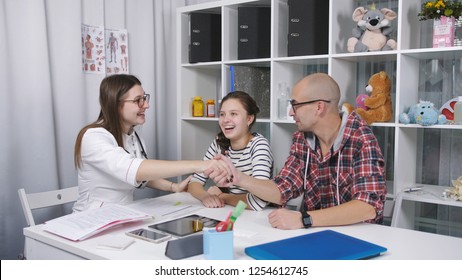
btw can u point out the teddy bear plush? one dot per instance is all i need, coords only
(347, 107)
(423, 113)
(372, 31)
(378, 103)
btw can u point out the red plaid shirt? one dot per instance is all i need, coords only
(361, 169)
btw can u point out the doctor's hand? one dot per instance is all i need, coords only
(217, 168)
(285, 219)
(224, 180)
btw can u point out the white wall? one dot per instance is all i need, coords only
(46, 99)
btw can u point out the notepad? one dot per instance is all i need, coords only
(322, 245)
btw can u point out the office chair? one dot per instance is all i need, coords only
(33, 201)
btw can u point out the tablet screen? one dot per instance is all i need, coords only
(185, 225)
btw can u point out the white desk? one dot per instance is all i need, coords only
(251, 228)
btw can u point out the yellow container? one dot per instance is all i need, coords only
(197, 107)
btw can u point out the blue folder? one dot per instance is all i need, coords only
(322, 245)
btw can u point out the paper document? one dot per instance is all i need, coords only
(160, 209)
(79, 226)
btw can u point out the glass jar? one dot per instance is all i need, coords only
(458, 111)
(210, 108)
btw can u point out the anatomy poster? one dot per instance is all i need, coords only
(93, 49)
(116, 51)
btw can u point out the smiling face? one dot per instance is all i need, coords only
(234, 122)
(130, 113)
(304, 115)
(317, 96)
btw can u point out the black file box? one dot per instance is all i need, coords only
(254, 33)
(308, 27)
(205, 36)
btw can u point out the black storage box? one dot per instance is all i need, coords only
(254, 32)
(205, 32)
(308, 27)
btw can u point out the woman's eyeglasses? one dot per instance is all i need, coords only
(140, 100)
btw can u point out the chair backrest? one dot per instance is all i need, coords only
(33, 201)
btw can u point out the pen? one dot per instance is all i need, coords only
(413, 189)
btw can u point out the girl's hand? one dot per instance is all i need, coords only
(180, 187)
(214, 190)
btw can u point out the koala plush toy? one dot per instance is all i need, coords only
(423, 113)
(372, 31)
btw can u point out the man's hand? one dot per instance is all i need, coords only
(285, 219)
(218, 169)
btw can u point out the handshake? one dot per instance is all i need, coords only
(222, 171)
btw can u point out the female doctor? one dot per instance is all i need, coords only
(110, 156)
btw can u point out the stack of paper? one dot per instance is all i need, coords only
(79, 226)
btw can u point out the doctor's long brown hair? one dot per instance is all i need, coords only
(111, 90)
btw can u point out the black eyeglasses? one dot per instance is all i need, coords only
(140, 101)
(294, 103)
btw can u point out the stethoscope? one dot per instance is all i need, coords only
(143, 153)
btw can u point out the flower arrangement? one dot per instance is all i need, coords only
(456, 191)
(438, 8)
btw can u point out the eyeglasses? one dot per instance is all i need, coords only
(294, 103)
(140, 101)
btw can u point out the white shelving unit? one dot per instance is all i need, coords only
(403, 145)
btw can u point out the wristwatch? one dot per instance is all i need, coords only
(306, 219)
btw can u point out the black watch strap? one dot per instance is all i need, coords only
(306, 219)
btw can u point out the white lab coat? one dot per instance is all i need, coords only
(108, 172)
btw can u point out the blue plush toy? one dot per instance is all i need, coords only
(423, 113)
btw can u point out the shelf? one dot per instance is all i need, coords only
(284, 121)
(430, 194)
(436, 126)
(412, 153)
(205, 65)
(367, 56)
(215, 119)
(200, 119)
(435, 53)
(258, 62)
(383, 124)
(312, 60)
(404, 215)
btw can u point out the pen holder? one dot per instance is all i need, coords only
(218, 245)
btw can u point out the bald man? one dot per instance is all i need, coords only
(335, 163)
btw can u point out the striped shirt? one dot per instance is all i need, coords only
(354, 164)
(255, 160)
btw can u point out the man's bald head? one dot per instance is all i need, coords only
(318, 86)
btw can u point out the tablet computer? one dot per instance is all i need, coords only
(186, 225)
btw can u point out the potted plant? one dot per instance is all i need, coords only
(444, 15)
